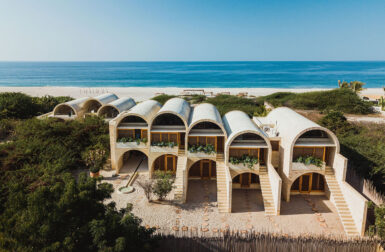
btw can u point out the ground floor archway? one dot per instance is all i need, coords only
(167, 162)
(130, 161)
(246, 193)
(246, 180)
(203, 169)
(308, 183)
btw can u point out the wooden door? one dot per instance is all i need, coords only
(220, 144)
(170, 163)
(206, 169)
(245, 180)
(305, 183)
(182, 141)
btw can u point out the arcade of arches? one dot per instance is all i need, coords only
(308, 183)
(203, 169)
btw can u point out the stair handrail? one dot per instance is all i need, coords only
(137, 167)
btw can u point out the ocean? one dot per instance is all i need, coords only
(259, 74)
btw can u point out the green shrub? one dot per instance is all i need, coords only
(342, 99)
(22, 106)
(163, 184)
(227, 103)
(162, 98)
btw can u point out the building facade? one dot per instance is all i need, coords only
(282, 154)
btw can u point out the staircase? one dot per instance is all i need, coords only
(267, 194)
(220, 157)
(222, 197)
(340, 203)
(180, 187)
(181, 152)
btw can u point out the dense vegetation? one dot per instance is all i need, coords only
(363, 144)
(22, 106)
(342, 99)
(224, 103)
(44, 208)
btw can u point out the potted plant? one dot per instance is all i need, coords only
(94, 159)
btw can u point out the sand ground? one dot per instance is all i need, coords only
(302, 215)
(143, 93)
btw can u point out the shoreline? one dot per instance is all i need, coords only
(143, 93)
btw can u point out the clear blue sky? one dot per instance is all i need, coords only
(54, 30)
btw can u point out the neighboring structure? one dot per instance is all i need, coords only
(269, 154)
(106, 105)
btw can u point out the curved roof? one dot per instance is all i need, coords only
(146, 110)
(121, 104)
(206, 112)
(76, 104)
(292, 125)
(177, 106)
(105, 98)
(237, 122)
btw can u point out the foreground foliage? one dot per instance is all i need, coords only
(22, 106)
(44, 208)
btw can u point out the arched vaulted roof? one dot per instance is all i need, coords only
(120, 105)
(237, 123)
(145, 110)
(76, 105)
(292, 125)
(105, 98)
(206, 112)
(178, 107)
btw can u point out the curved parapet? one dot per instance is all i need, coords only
(176, 107)
(112, 109)
(204, 113)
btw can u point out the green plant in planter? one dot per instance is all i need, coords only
(310, 160)
(246, 160)
(164, 144)
(208, 149)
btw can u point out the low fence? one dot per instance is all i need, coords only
(263, 242)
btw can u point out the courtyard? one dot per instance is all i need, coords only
(302, 215)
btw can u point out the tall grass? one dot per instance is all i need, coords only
(262, 242)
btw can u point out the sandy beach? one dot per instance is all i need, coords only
(143, 93)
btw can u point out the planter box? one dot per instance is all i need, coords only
(131, 145)
(242, 167)
(295, 166)
(164, 149)
(201, 155)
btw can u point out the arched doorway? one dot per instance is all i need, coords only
(166, 162)
(246, 193)
(203, 169)
(131, 160)
(246, 180)
(308, 183)
(202, 185)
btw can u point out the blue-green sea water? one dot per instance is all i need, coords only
(269, 74)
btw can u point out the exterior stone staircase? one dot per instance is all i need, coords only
(340, 203)
(222, 197)
(180, 188)
(267, 194)
(181, 152)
